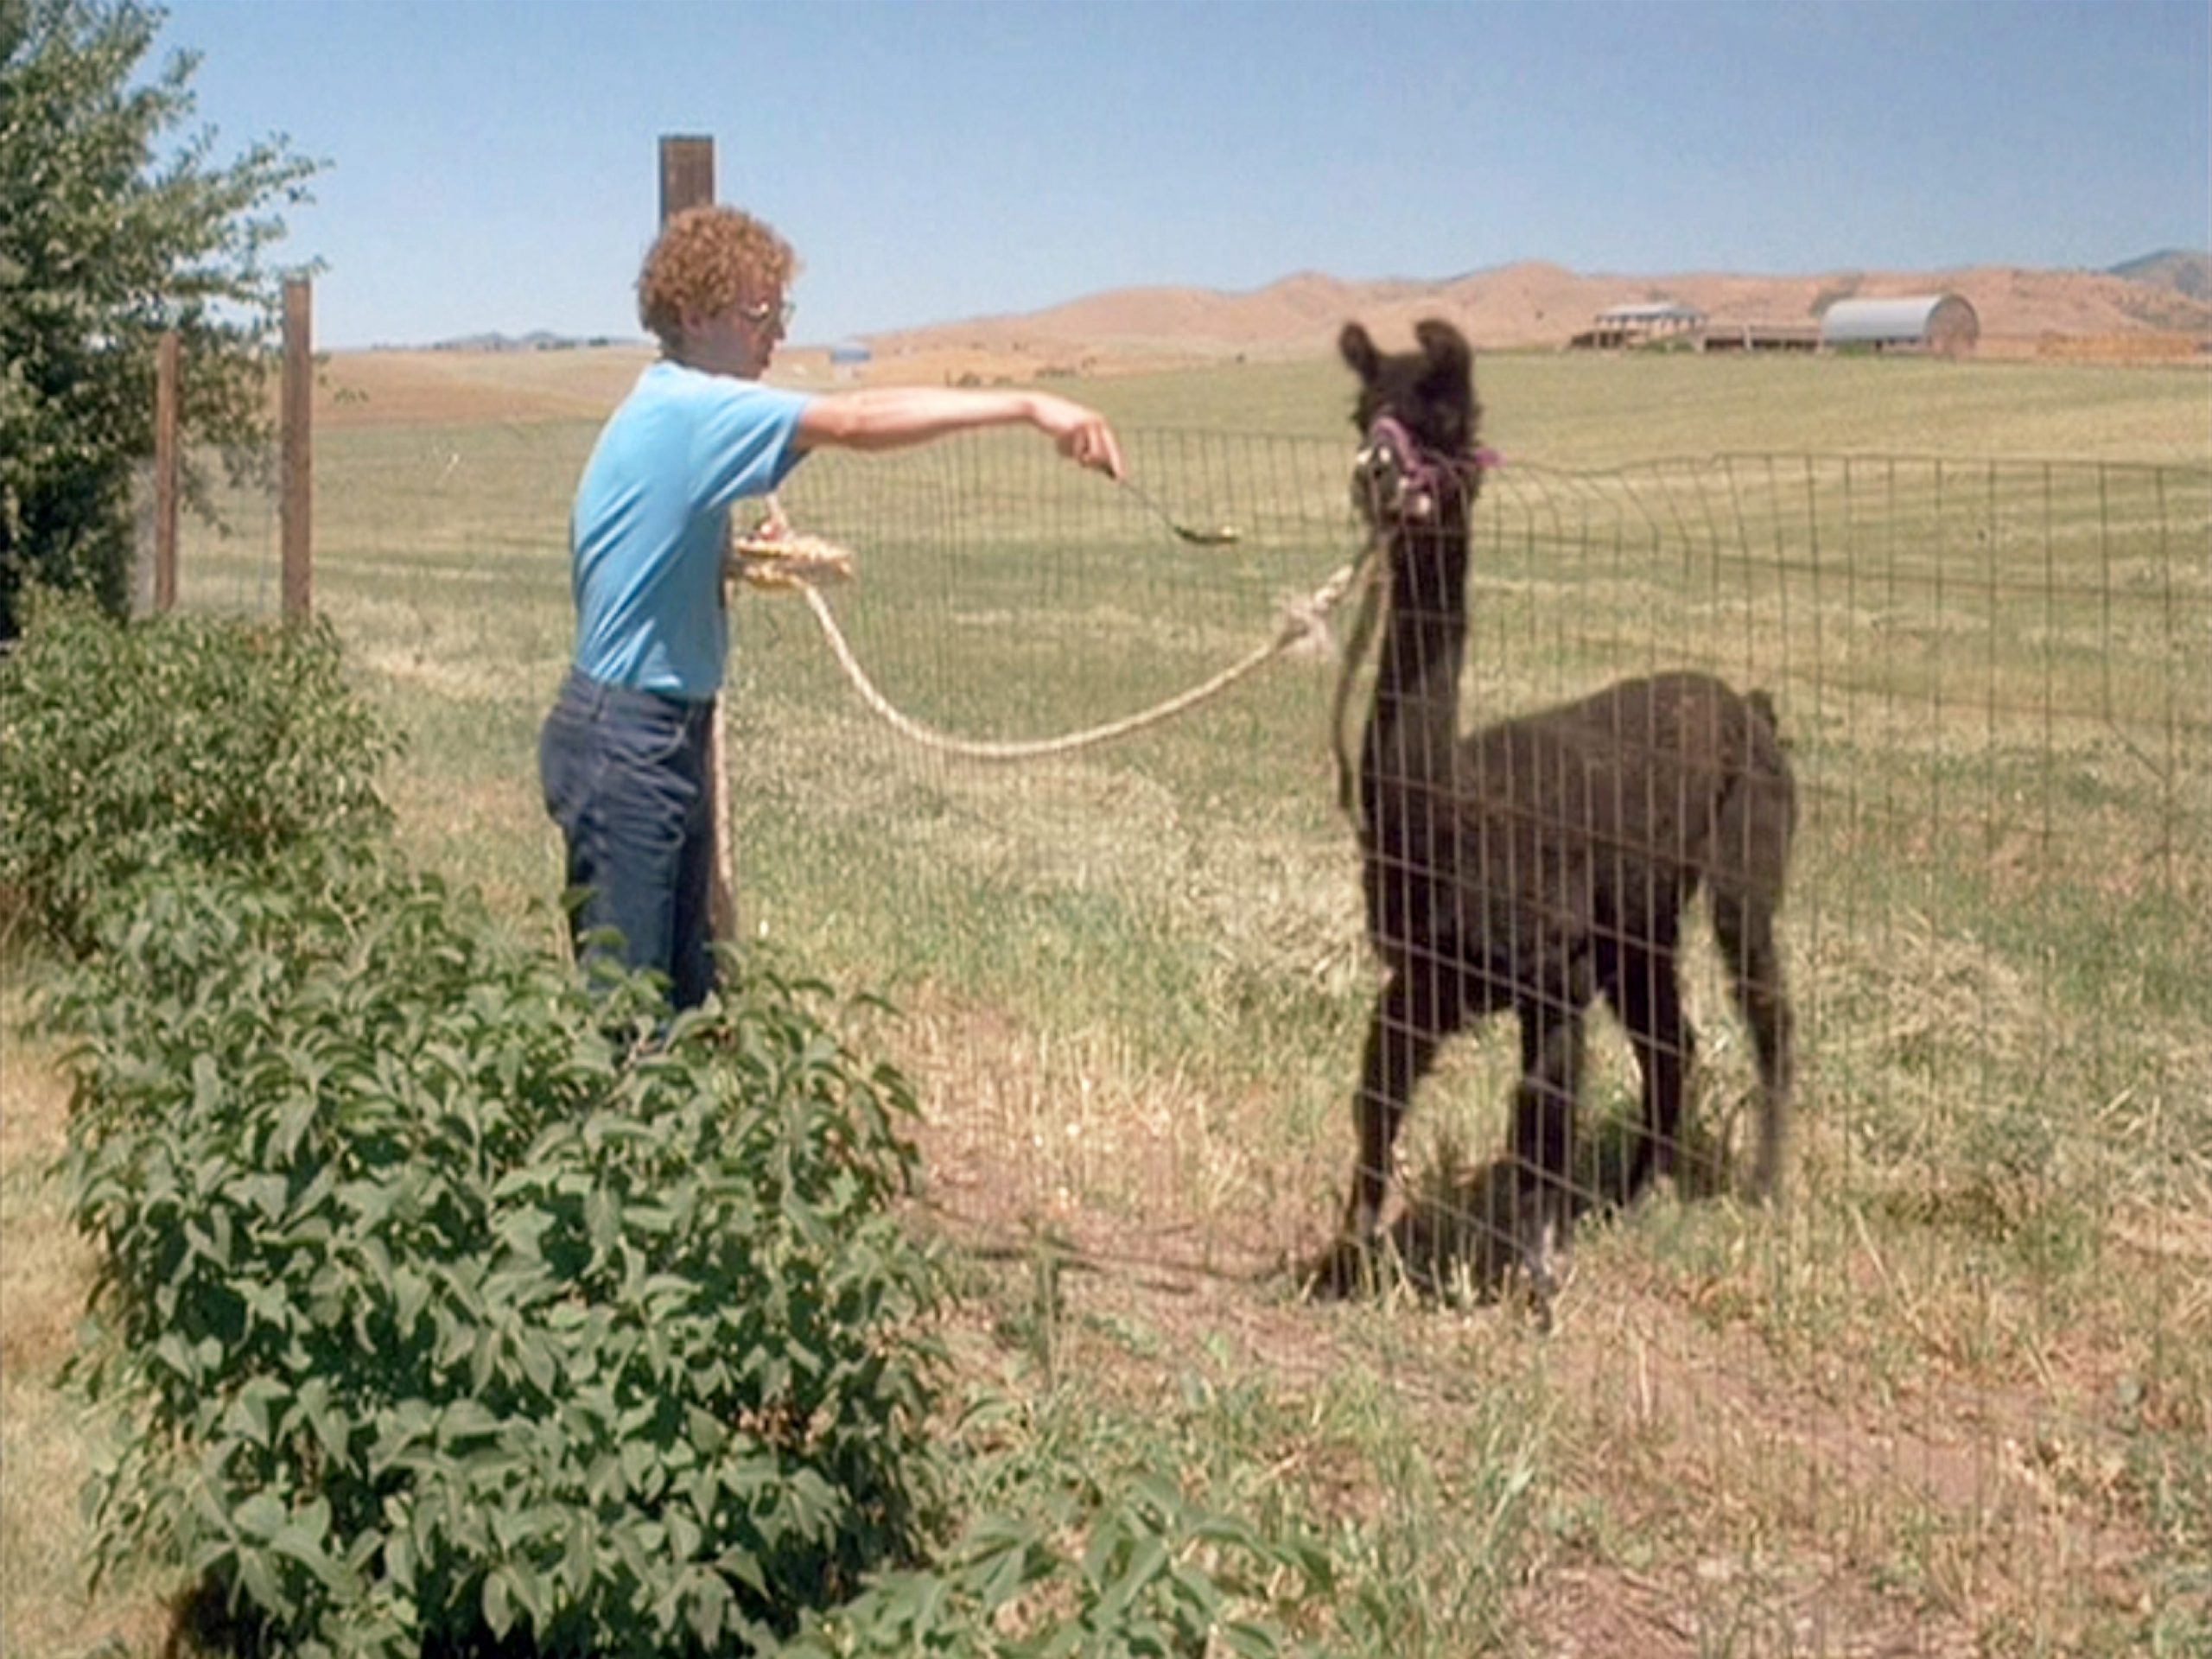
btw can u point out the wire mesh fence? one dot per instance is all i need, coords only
(1991, 678)
(227, 538)
(1970, 1348)
(1954, 1393)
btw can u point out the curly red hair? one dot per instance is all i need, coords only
(707, 260)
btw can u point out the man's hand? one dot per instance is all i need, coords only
(1082, 434)
(773, 526)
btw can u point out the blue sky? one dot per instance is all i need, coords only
(493, 162)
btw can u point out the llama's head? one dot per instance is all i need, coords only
(1416, 414)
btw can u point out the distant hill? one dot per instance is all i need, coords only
(2185, 272)
(2147, 303)
(538, 339)
(1535, 304)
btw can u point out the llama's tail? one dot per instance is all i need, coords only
(1763, 706)
(1758, 814)
(1768, 757)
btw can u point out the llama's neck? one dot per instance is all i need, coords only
(1414, 725)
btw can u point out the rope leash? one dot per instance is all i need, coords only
(789, 562)
(781, 561)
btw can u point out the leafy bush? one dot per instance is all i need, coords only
(448, 1308)
(451, 1309)
(1085, 1539)
(219, 742)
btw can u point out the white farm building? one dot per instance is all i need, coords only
(1635, 325)
(1944, 324)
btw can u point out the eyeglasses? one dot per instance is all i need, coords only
(763, 310)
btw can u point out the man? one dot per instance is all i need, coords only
(623, 755)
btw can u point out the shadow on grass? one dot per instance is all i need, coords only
(1454, 1241)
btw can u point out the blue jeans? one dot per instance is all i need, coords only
(624, 775)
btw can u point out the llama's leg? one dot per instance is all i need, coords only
(1543, 1142)
(1646, 995)
(1752, 843)
(1415, 1011)
(1744, 926)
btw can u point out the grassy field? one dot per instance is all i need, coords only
(1955, 1398)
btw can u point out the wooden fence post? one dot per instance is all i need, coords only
(165, 471)
(297, 506)
(687, 173)
(687, 180)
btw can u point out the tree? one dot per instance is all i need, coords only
(116, 224)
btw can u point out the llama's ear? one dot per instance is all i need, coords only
(1359, 350)
(1450, 358)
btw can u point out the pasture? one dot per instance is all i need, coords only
(1955, 1396)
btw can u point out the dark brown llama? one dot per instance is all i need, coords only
(1547, 860)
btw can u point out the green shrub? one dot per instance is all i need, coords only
(449, 1309)
(124, 746)
(1089, 1530)
(1121, 1567)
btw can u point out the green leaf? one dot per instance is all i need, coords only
(580, 1555)
(741, 1564)
(684, 1535)
(536, 1357)
(465, 1420)
(262, 1583)
(531, 1591)
(410, 1293)
(303, 1539)
(260, 1517)
(399, 1562)
(641, 1468)
(498, 1602)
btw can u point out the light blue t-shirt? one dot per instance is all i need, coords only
(651, 517)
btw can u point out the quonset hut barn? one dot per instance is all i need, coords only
(1944, 324)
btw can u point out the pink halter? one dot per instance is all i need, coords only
(1423, 475)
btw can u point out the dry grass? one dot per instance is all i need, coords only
(1952, 1399)
(1828, 1434)
(357, 389)
(46, 1272)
